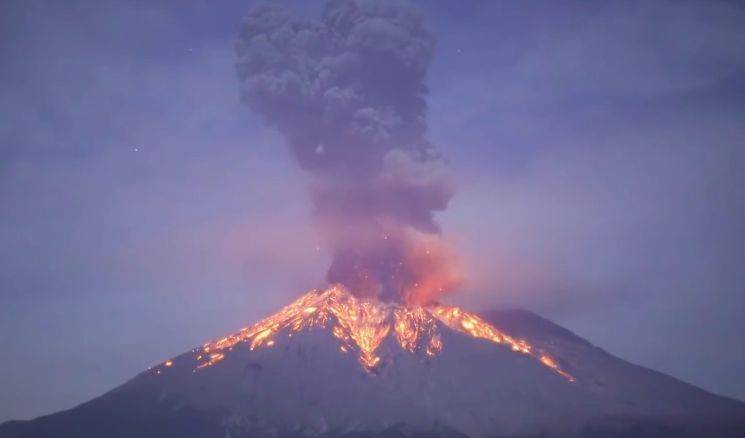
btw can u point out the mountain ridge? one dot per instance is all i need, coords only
(304, 386)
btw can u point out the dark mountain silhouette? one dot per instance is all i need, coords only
(305, 386)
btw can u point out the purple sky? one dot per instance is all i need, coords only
(597, 149)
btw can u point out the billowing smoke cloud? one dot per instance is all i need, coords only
(348, 95)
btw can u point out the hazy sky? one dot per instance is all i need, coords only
(598, 151)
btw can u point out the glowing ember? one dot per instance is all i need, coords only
(361, 325)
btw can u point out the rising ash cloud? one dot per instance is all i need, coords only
(347, 93)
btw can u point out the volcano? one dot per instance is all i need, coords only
(332, 364)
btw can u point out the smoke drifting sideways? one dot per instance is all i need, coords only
(348, 95)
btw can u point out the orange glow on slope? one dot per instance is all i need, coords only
(361, 326)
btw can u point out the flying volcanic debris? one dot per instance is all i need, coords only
(347, 93)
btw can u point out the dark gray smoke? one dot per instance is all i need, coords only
(347, 92)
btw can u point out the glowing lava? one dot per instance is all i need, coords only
(361, 325)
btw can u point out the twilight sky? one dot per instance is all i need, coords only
(597, 150)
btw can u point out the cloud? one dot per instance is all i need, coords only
(347, 92)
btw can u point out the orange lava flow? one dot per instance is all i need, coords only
(361, 326)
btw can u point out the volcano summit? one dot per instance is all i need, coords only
(362, 325)
(331, 364)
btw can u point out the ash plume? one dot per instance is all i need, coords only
(347, 93)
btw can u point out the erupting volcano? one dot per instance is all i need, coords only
(361, 326)
(377, 353)
(332, 364)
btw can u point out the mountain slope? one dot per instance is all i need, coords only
(304, 385)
